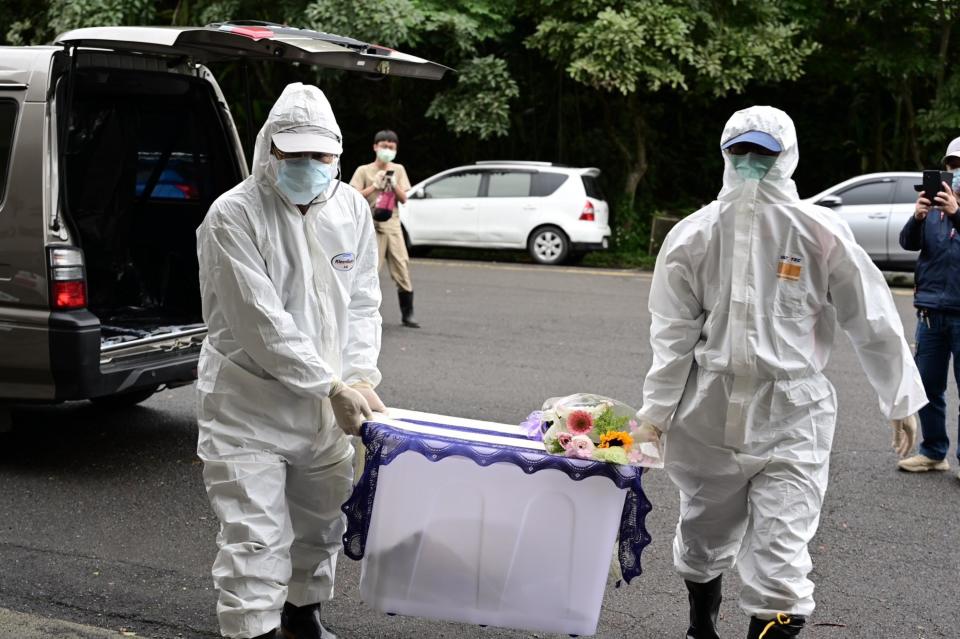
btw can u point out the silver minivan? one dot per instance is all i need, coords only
(114, 141)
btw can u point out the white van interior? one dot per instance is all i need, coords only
(146, 154)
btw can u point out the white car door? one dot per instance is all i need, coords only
(904, 201)
(444, 210)
(866, 208)
(506, 212)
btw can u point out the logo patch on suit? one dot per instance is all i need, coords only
(343, 262)
(789, 267)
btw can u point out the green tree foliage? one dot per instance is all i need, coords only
(647, 47)
(639, 88)
(479, 102)
(43, 20)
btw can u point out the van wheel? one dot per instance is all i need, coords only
(124, 400)
(548, 245)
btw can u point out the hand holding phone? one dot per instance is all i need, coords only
(946, 200)
(933, 182)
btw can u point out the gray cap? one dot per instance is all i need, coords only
(308, 139)
(953, 151)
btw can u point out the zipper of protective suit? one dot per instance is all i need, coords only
(741, 304)
(329, 340)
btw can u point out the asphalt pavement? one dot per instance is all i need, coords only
(104, 521)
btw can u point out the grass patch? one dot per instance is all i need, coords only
(620, 259)
(594, 259)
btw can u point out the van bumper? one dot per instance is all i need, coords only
(78, 374)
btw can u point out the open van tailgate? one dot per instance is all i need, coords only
(256, 41)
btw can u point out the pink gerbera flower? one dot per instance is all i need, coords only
(579, 422)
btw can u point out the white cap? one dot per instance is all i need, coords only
(953, 151)
(308, 139)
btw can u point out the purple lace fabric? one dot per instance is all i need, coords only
(384, 443)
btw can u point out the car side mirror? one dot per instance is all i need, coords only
(830, 201)
(416, 195)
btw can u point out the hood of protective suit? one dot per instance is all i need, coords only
(777, 185)
(298, 105)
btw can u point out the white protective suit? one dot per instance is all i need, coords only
(292, 304)
(744, 302)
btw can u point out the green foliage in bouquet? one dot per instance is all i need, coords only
(550, 440)
(607, 422)
(613, 454)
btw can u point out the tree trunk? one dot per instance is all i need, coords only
(630, 140)
(910, 128)
(946, 26)
(633, 148)
(878, 140)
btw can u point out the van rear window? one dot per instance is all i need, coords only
(592, 186)
(8, 124)
(545, 184)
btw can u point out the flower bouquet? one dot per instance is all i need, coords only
(587, 426)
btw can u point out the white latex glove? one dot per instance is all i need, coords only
(648, 432)
(350, 409)
(373, 400)
(904, 435)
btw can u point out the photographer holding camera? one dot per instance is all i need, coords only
(385, 183)
(933, 230)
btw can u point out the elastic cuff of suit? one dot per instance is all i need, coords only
(335, 387)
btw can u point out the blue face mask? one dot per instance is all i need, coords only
(303, 179)
(956, 180)
(752, 166)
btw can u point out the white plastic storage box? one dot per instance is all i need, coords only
(468, 537)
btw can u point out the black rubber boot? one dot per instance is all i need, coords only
(782, 627)
(406, 308)
(704, 608)
(303, 622)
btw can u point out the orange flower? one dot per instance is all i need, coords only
(616, 438)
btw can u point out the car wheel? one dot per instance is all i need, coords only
(548, 245)
(413, 251)
(124, 400)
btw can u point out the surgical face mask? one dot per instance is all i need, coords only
(956, 180)
(752, 166)
(386, 155)
(303, 179)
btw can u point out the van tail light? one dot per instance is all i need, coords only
(68, 286)
(588, 214)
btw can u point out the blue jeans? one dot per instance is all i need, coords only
(938, 337)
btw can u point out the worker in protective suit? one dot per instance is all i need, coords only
(288, 275)
(745, 299)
